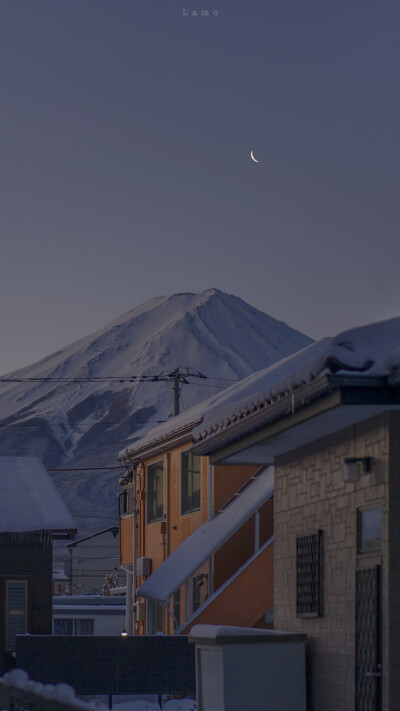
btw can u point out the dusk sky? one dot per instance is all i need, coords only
(126, 131)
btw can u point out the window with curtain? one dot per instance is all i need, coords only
(155, 492)
(190, 483)
(63, 626)
(196, 593)
(76, 626)
(154, 617)
(82, 626)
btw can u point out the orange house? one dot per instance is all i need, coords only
(202, 535)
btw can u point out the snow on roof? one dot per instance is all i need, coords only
(88, 600)
(217, 634)
(29, 500)
(203, 542)
(173, 427)
(372, 350)
(368, 350)
(113, 529)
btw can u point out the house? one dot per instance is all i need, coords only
(328, 420)
(100, 615)
(197, 530)
(91, 559)
(32, 515)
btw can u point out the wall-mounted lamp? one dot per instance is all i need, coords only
(124, 633)
(199, 579)
(354, 467)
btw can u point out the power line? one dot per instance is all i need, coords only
(160, 377)
(83, 422)
(83, 469)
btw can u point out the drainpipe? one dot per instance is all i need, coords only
(168, 506)
(210, 513)
(128, 613)
(257, 531)
(134, 551)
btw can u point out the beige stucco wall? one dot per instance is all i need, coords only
(310, 494)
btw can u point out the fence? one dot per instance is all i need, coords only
(111, 665)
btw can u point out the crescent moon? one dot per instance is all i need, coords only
(252, 157)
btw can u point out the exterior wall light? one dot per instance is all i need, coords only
(354, 467)
(124, 633)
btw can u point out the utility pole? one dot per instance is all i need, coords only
(175, 388)
(177, 377)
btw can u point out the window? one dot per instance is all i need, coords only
(16, 607)
(127, 501)
(196, 593)
(83, 626)
(309, 575)
(190, 482)
(369, 530)
(78, 626)
(63, 626)
(155, 492)
(177, 606)
(154, 617)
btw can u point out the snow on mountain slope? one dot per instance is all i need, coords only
(85, 424)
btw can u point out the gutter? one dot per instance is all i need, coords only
(158, 446)
(260, 414)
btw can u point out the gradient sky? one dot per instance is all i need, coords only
(125, 169)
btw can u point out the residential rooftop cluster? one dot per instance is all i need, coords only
(273, 505)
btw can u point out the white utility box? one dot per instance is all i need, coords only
(244, 668)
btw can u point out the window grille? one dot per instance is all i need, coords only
(309, 575)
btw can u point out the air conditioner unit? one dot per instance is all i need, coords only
(143, 566)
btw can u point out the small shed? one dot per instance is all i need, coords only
(32, 515)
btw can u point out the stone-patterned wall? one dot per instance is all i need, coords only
(310, 495)
(393, 622)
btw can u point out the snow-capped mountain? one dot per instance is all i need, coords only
(86, 420)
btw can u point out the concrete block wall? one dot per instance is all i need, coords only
(310, 495)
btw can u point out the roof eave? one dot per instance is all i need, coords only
(158, 446)
(57, 534)
(286, 407)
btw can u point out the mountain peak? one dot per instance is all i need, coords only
(86, 420)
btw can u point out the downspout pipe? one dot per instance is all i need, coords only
(131, 586)
(134, 550)
(168, 506)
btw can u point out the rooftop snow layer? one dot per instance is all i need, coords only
(372, 350)
(29, 501)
